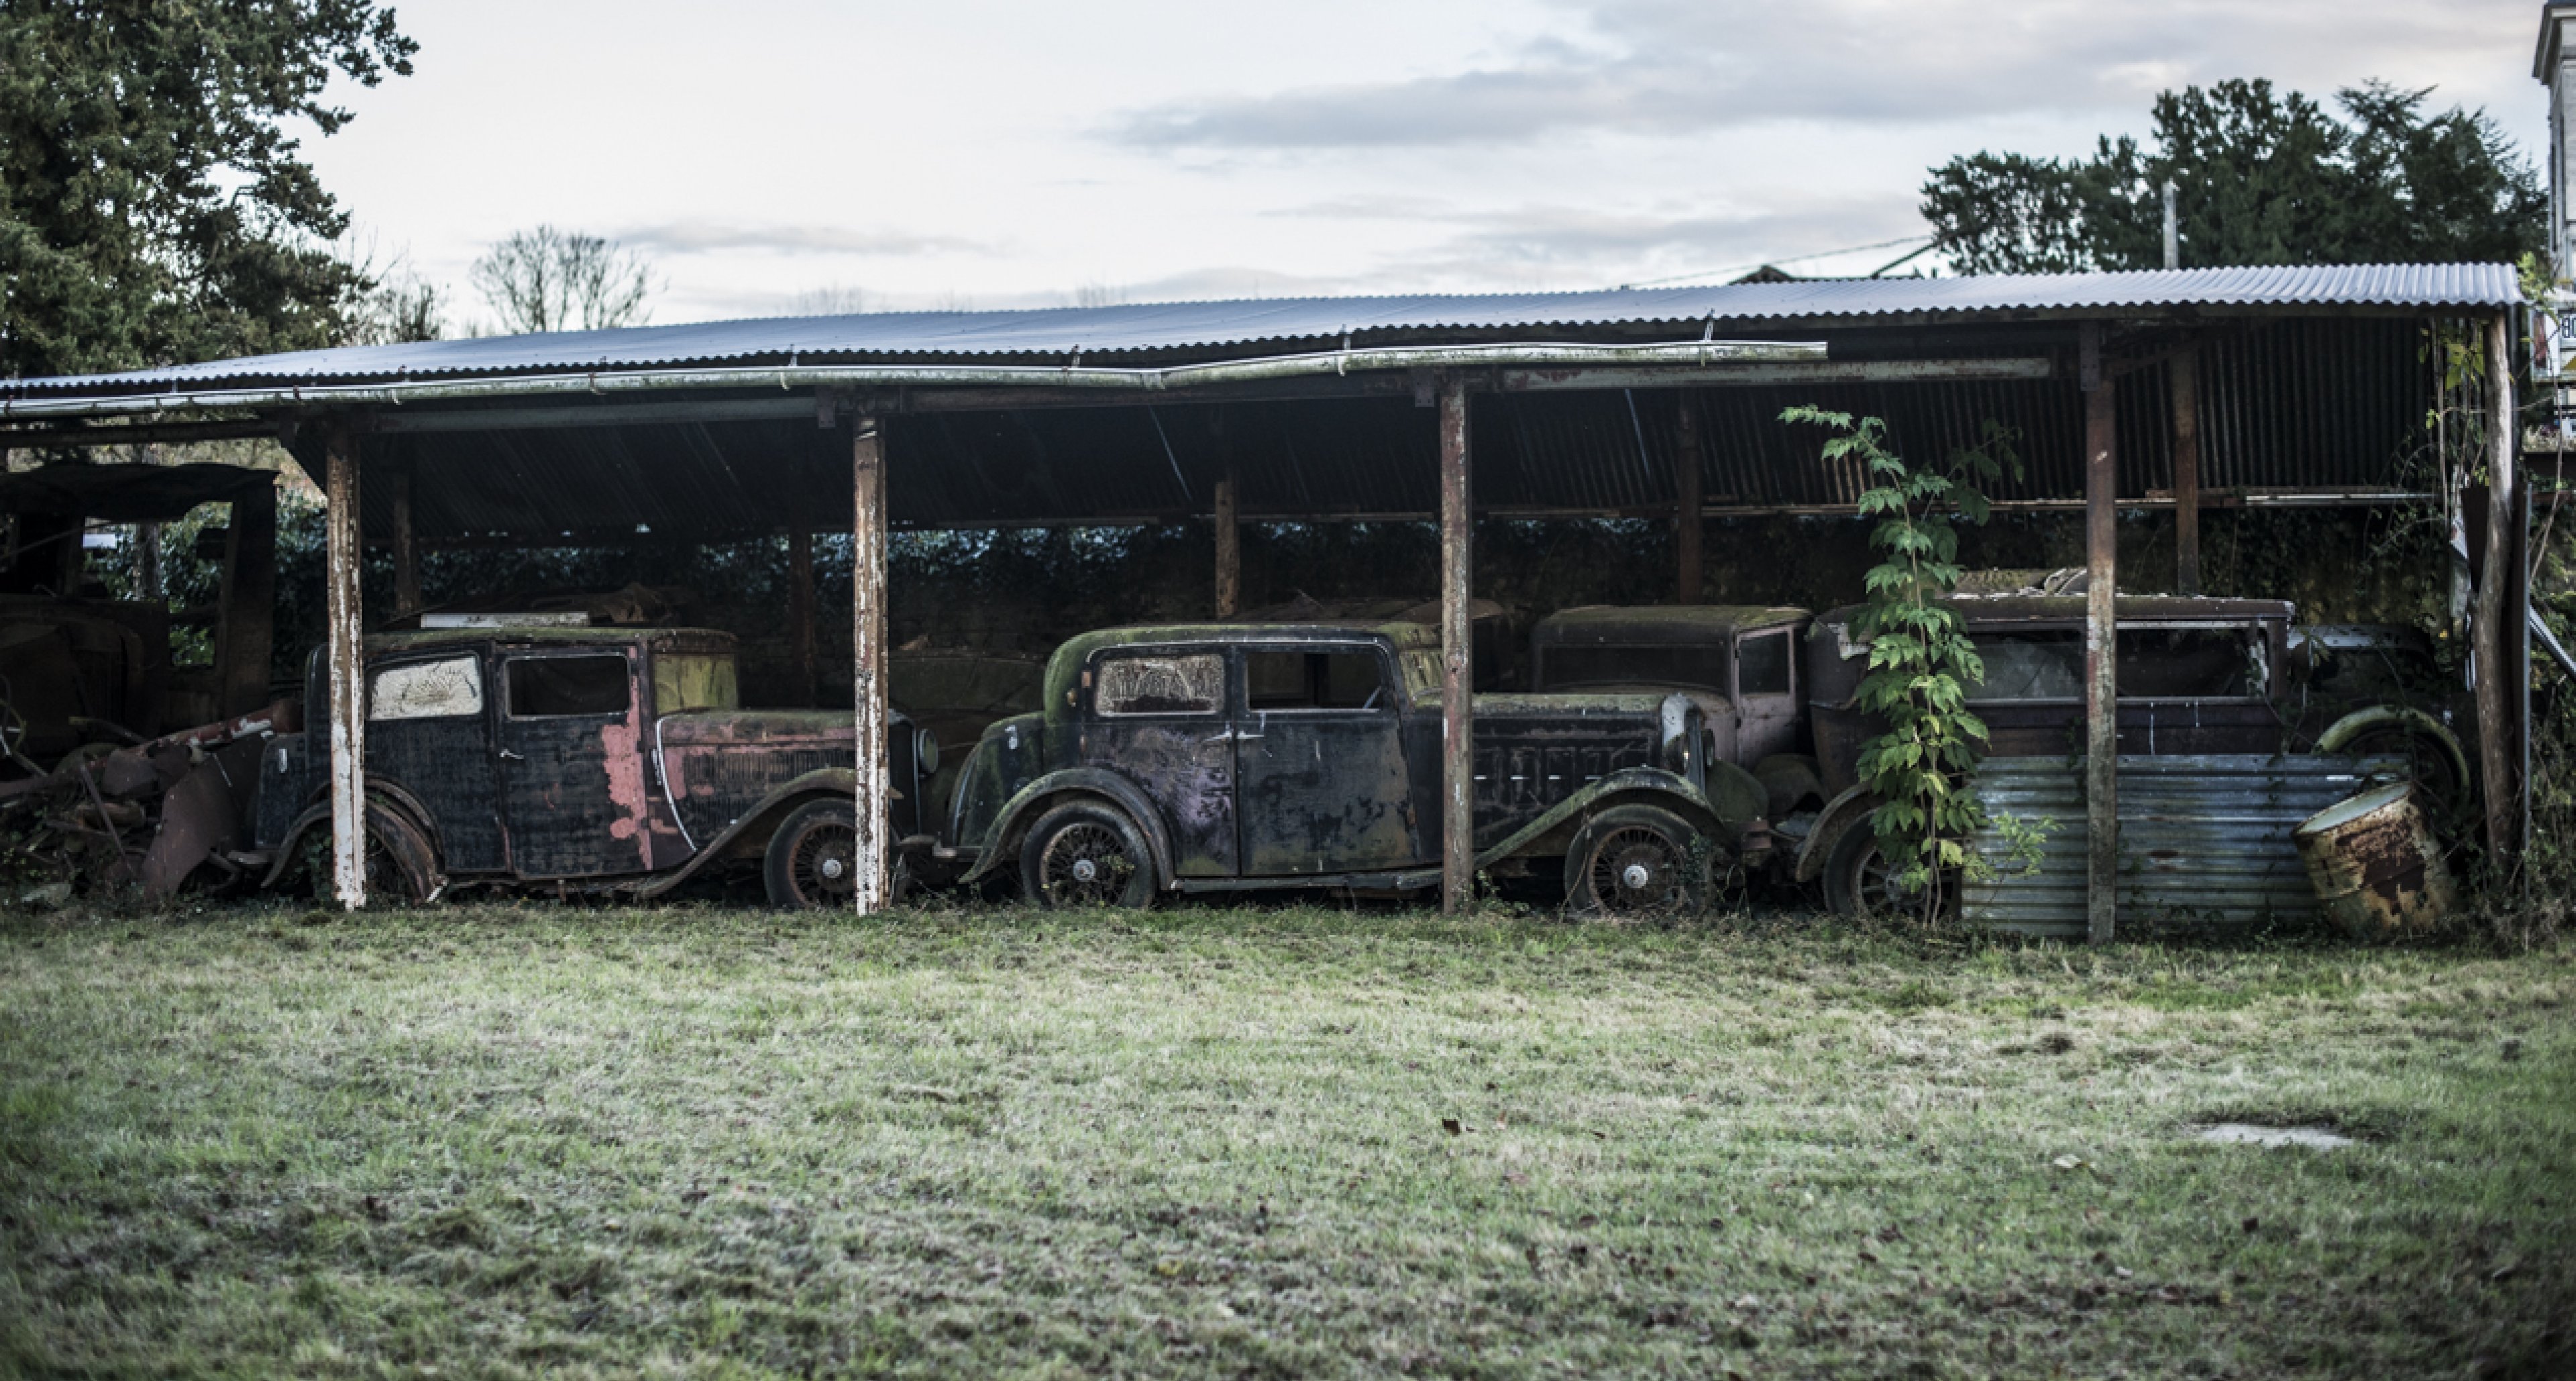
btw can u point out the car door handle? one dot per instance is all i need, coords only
(508, 756)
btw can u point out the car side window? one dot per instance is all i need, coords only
(541, 687)
(1192, 683)
(1762, 665)
(1303, 680)
(444, 689)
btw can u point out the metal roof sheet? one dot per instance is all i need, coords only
(1061, 334)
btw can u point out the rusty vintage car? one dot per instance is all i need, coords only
(2196, 676)
(1739, 664)
(611, 759)
(1234, 757)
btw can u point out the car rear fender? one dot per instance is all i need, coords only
(750, 834)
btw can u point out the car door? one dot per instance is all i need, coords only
(1766, 669)
(1320, 779)
(429, 731)
(1158, 718)
(572, 779)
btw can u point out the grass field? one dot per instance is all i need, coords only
(495, 1141)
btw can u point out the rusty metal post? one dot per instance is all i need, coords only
(2493, 622)
(867, 659)
(1457, 655)
(2184, 379)
(2101, 644)
(1687, 523)
(800, 610)
(248, 601)
(1229, 547)
(348, 716)
(407, 598)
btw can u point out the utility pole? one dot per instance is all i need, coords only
(2173, 230)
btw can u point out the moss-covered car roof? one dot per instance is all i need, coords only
(1608, 623)
(1064, 669)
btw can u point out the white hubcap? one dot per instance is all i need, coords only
(1635, 877)
(1084, 870)
(832, 869)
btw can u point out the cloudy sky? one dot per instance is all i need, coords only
(770, 154)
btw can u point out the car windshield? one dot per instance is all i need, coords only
(1696, 666)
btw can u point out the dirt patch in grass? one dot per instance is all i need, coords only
(1289, 1141)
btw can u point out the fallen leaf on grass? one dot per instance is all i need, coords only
(2069, 1162)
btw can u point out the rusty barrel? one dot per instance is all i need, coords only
(2376, 865)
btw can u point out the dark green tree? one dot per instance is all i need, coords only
(154, 206)
(2260, 178)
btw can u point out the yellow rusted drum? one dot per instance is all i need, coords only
(2376, 865)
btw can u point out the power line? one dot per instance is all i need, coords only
(1771, 263)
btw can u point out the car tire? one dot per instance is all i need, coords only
(1637, 863)
(400, 864)
(2428, 766)
(1861, 881)
(812, 858)
(1087, 854)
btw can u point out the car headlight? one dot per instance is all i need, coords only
(925, 752)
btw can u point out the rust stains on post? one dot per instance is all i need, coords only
(348, 775)
(867, 660)
(800, 610)
(407, 598)
(2101, 643)
(248, 601)
(1229, 548)
(2184, 377)
(2493, 623)
(1687, 524)
(1457, 656)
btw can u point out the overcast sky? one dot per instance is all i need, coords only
(983, 153)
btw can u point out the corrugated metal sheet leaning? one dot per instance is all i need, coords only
(2204, 841)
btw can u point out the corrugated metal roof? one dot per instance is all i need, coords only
(1099, 333)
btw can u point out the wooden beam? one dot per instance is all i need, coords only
(1457, 655)
(407, 598)
(2184, 380)
(2101, 646)
(800, 610)
(1688, 571)
(348, 706)
(1229, 547)
(248, 602)
(2493, 622)
(868, 660)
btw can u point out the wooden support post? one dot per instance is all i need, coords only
(248, 602)
(147, 546)
(1457, 655)
(2494, 623)
(407, 598)
(2101, 644)
(800, 610)
(867, 659)
(348, 718)
(1229, 546)
(1687, 524)
(2184, 381)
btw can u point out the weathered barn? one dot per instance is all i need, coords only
(2163, 390)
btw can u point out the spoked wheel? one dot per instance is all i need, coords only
(398, 865)
(1862, 881)
(1636, 863)
(2427, 766)
(1085, 854)
(813, 859)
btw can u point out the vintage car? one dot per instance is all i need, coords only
(1738, 664)
(2196, 676)
(593, 759)
(1235, 757)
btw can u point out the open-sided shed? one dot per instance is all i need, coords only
(2134, 390)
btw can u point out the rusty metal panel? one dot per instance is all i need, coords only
(2204, 841)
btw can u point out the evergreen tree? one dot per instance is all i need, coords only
(2260, 179)
(153, 204)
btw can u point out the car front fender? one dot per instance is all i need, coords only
(1628, 786)
(1840, 814)
(2352, 726)
(1071, 781)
